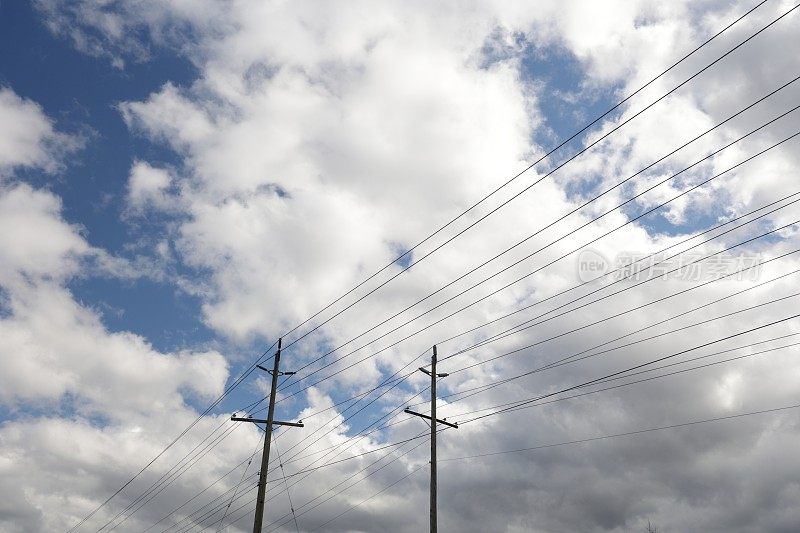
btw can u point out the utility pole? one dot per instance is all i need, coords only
(270, 421)
(433, 420)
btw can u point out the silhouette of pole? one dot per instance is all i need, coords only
(433, 441)
(433, 421)
(262, 477)
(270, 422)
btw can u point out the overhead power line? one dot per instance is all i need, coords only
(625, 434)
(635, 367)
(532, 165)
(247, 372)
(529, 274)
(648, 379)
(188, 428)
(553, 223)
(684, 291)
(634, 272)
(581, 355)
(643, 260)
(680, 292)
(575, 210)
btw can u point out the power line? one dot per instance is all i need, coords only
(635, 308)
(647, 212)
(553, 223)
(642, 260)
(652, 378)
(220, 497)
(208, 409)
(170, 473)
(396, 458)
(247, 459)
(734, 273)
(626, 434)
(543, 177)
(236, 490)
(399, 443)
(566, 443)
(365, 500)
(634, 272)
(247, 372)
(514, 403)
(207, 516)
(576, 356)
(306, 470)
(706, 67)
(394, 384)
(636, 367)
(771, 232)
(308, 416)
(542, 158)
(288, 492)
(618, 270)
(592, 392)
(545, 446)
(421, 443)
(151, 494)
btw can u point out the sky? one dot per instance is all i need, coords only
(183, 183)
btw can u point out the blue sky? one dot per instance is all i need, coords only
(81, 94)
(165, 215)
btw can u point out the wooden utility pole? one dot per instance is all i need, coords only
(433, 420)
(270, 421)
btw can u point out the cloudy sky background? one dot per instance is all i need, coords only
(183, 182)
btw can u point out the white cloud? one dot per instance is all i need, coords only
(148, 187)
(58, 357)
(35, 241)
(318, 140)
(27, 137)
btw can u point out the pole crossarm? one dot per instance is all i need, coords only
(438, 420)
(262, 421)
(433, 421)
(270, 421)
(439, 375)
(279, 373)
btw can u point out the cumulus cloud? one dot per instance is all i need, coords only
(27, 136)
(318, 141)
(68, 382)
(148, 187)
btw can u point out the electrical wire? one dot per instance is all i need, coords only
(575, 356)
(638, 307)
(617, 271)
(635, 367)
(518, 194)
(241, 480)
(206, 411)
(684, 291)
(652, 378)
(288, 492)
(647, 212)
(608, 274)
(616, 106)
(250, 369)
(341, 491)
(566, 215)
(626, 434)
(633, 273)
